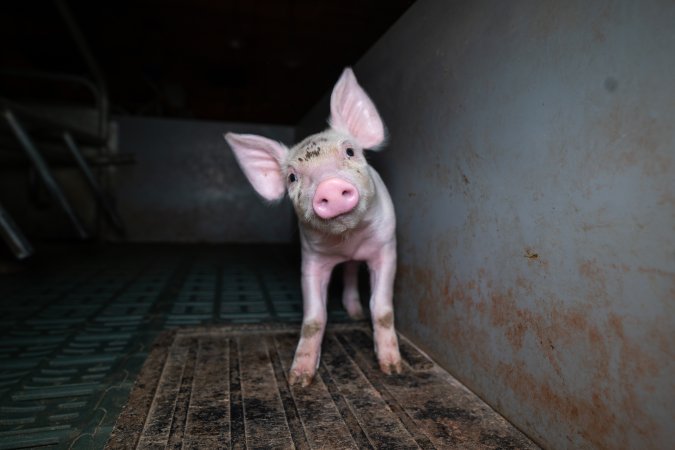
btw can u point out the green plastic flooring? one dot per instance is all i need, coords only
(77, 322)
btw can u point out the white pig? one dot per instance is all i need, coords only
(345, 214)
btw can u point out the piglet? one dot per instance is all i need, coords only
(345, 215)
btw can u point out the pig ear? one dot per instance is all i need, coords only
(260, 159)
(353, 112)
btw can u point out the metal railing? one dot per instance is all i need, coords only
(20, 117)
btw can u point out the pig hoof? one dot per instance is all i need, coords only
(391, 367)
(304, 379)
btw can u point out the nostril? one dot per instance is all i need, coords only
(323, 201)
(348, 193)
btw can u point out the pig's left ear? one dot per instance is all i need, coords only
(353, 112)
(260, 159)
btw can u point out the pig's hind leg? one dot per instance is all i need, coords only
(350, 295)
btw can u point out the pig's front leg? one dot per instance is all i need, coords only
(350, 294)
(315, 277)
(382, 273)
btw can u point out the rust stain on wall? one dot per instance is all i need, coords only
(594, 281)
(634, 138)
(470, 321)
(591, 415)
(531, 254)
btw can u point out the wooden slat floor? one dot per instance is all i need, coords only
(225, 386)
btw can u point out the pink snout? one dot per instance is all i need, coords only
(333, 197)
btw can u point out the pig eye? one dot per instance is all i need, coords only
(350, 151)
(292, 178)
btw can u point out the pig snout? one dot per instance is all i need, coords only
(333, 197)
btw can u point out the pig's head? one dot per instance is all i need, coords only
(326, 175)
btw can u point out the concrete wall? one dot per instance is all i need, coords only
(187, 187)
(532, 166)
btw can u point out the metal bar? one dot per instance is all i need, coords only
(9, 160)
(101, 198)
(94, 68)
(58, 77)
(13, 236)
(44, 171)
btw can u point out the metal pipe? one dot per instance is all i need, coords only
(44, 171)
(93, 66)
(101, 198)
(64, 77)
(13, 236)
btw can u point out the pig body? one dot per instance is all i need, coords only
(345, 215)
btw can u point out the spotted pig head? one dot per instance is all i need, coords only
(326, 175)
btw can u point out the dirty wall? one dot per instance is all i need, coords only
(531, 162)
(186, 186)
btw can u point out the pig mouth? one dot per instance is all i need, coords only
(335, 225)
(341, 223)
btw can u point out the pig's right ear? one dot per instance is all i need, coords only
(260, 159)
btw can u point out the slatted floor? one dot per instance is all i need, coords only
(76, 327)
(226, 387)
